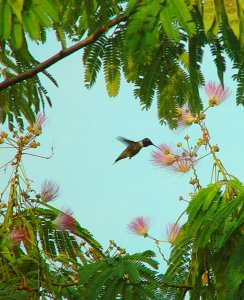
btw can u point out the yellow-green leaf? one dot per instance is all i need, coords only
(209, 14)
(171, 30)
(183, 15)
(51, 9)
(241, 15)
(113, 85)
(31, 24)
(232, 15)
(42, 16)
(17, 7)
(7, 21)
(17, 35)
(184, 59)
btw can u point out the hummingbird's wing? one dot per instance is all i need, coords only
(132, 148)
(125, 141)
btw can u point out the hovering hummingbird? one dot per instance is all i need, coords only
(132, 147)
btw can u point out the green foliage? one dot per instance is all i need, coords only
(121, 277)
(49, 255)
(26, 98)
(219, 59)
(142, 34)
(178, 270)
(235, 272)
(157, 45)
(112, 67)
(38, 257)
(210, 20)
(215, 224)
(92, 59)
(240, 84)
(212, 234)
(151, 54)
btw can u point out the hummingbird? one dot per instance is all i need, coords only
(132, 147)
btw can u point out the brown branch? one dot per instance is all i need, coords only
(62, 54)
(179, 286)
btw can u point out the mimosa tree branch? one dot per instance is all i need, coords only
(62, 54)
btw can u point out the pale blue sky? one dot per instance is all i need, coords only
(82, 127)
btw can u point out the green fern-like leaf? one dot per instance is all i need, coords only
(204, 198)
(142, 33)
(92, 59)
(171, 93)
(240, 84)
(60, 242)
(221, 217)
(219, 59)
(230, 41)
(235, 272)
(236, 185)
(178, 269)
(111, 67)
(145, 86)
(184, 16)
(69, 246)
(128, 274)
(47, 240)
(146, 257)
(167, 18)
(195, 56)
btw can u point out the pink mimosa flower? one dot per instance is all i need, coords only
(164, 156)
(65, 221)
(216, 93)
(40, 119)
(140, 226)
(176, 162)
(17, 235)
(185, 117)
(49, 191)
(182, 165)
(172, 232)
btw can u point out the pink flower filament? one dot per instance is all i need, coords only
(216, 93)
(174, 161)
(65, 221)
(40, 119)
(140, 226)
(172, 231)
(49, 191)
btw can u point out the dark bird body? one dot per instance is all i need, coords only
(132, 147)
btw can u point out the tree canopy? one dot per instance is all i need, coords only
(157, 45)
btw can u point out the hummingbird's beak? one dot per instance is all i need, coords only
(156, 147)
